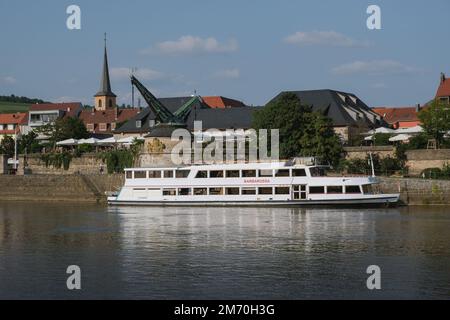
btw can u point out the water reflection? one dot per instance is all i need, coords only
(190, 253)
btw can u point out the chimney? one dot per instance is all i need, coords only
(442, 77)
(418, 107)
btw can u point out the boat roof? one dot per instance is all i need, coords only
(233, 166)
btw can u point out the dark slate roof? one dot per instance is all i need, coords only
(105, 84)
(162, 131)
(229, 118)
(344, 109)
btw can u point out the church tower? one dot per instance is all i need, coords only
(105, 99)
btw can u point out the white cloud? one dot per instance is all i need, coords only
(326, 38)
(373, 68)
(123, 73)
(191, 45)
(8, 80)
(228, 74)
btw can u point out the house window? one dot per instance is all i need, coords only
(110, 103)
(138, 123)
(113, 126)
(100, 104)
(90, 127)
(103, 126)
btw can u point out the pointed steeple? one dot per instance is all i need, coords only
(105, 84)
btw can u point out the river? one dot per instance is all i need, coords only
(222, 253)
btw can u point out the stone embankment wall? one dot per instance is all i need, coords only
(418, 191)
(68, 188)
(362, 152)
(418, 160)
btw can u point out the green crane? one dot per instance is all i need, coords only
(163, 115)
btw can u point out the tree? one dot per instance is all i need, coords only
(436, 120)
(302, 131)
(28, 143)
(64, 128)
(7, 146)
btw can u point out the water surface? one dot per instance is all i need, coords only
(222, 253)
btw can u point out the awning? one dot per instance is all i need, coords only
(381, 130)
(88, 141)
(416, 129)
(107, 141)
(129, 140)
(400, 137)
(67, 142)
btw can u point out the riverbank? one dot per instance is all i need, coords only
(92, 188)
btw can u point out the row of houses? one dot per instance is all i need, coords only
(349, 114)
(407, 117)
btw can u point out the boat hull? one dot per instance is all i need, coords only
(385, 200)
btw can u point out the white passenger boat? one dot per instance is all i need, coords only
(247, 184)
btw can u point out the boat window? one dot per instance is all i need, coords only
(216, 174)
(317, 172)
(169, 192)
(282, 190)
(265, 190)
(316, 190)
(182, 173)
(184, 191)
(202, 175)
(215, 191)
(168, 174)
(232, 173)
(265, 173)
(140, 175)
(154, 174)
(282, 173)
(248, 191)
(334, 189)
(248, 173)
(129, 174)
(232, 191)
(352, 189)
(368, 189)
(298, 173)
(200, 191)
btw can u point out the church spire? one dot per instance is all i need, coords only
(105, 84)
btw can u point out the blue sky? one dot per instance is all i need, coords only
(248, 49)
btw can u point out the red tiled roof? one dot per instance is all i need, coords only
(394, 115)
(71, 108)
(222, 102)
(444, 87)
(13, 118)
